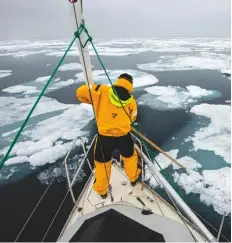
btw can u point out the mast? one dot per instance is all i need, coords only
(77, 8)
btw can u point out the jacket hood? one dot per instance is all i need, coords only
(121, 82)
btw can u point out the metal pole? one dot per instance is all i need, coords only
(179, 201)
(220, 229)
(83, 52)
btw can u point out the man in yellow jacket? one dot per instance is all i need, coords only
(114, 126)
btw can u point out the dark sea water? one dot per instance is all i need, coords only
(18, 199)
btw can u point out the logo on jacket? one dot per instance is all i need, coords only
(114, 115)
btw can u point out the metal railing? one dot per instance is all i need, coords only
(155, 173)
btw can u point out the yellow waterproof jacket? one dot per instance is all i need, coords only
(111, 117)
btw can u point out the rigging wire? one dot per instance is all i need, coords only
(36, 206)
(49, 227)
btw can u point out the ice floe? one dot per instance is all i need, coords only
(5, 73)
(17, 108)
(174, 97)
(21, 89)
(6, 134)
(17, 160)
(226, 71)
(50, 155)
(117, 47)
(42, 79)
(216, 136)
(66, 83)
(164, 162)
(139, 78)
(61, 53)
(70, 67)
(67, 126)
(198, 92)
(22, 53)
(214, 187)
(43, 145)
(187, 162)
(175, 63)
(58, 173)
(114, 51)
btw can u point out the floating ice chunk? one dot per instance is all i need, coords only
(5, 73)
(187, 162)
(98, 75)
(139, 78)
(170, 97)
(198, 92)
(50, 155)
(35, 147)
(218, 192)
(122, 41)
(174, 97)
(59, 173)
(61, 53)
(21, 89)
(216, 136)
(163, 161)
(22, 53)
(64, 126)
(226, 71)
(70, 67)
(66, 83)
(17, 160)
(6, 134)
(57, 79)
(144, 80)
(17, 108)
(174, 63)
(228, 101)
(114, 51)
(42, 79)
(191, 182)
(20, 146)
(150, 178)
(214, 187)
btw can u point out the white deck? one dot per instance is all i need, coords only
(124, 193)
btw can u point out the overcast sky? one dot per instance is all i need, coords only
(53, 19)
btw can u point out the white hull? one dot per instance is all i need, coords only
(124, 194)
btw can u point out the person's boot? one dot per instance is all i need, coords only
(134, 182)
(104, 196)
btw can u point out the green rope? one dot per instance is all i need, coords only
(34, 105)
